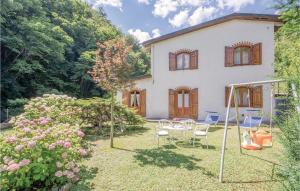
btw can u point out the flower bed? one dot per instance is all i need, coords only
(44, 147)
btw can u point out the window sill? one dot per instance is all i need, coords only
(237, 65)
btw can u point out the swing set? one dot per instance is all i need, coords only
(251, 121)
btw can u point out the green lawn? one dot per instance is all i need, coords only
(137, 164)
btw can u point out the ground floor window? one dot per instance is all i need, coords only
(134, 99)
(183, 103)
(246, 96)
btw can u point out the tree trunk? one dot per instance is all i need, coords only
(112, 121)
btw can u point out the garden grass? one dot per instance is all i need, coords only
(136, 163)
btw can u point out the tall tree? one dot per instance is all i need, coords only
(112, 71)
(288, 67)
(48, 46)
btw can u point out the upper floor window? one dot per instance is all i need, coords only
(242, 55)
(183, 61)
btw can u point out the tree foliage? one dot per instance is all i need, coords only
(49, 46)
(288, 67)
(111, 70)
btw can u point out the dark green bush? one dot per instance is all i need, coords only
(95, 112)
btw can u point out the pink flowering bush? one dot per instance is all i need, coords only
(44, 147)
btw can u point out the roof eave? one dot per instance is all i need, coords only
(238, 16)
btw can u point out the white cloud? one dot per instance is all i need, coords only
(201, 14)
(142, 36)
(144, 2)
(98, 3)
(234, 4)
(155, 33)
(179, 19)
(191, 2)
(163, 7)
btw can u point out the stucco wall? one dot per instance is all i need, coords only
(211, 77)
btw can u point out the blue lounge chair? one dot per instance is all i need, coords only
(251, 122)
(212, 118)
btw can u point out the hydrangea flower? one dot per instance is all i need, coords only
(59, 164)
(83, 152)
(67, 144)
(18, 148)
(80, 133)
(24, 162)
(58, 173)
(13, 167)
(31, 144)
(11, 139)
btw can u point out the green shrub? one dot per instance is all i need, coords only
(96, 112)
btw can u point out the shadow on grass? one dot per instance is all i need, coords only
(128, 132)
(215, 128)
(271, 175)
(84, 184)
(165, 158)
(186, 144)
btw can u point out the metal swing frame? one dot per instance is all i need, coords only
(234, 92)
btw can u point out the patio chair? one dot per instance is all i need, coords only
(162, 129)
(212, 118)
(251, 122)
(201, 133)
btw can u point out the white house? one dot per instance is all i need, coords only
(191, 68)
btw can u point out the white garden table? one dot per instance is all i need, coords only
(178, 126)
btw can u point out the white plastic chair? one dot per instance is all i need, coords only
(162, 129)
(201, 133)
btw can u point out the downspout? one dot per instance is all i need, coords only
(152, 62)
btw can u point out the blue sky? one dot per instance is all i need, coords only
(146, 19)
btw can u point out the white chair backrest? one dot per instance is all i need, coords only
(207, 128)
(189, 123)
(164, 122)
(253, 121)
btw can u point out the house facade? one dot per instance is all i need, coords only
(191, 68)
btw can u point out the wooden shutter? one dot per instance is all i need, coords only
(194, 103)
(229, 51)
(172, 61)
(257, 97)
(125, 97)
(194, 60)
(171, 103)
(227, 92)
(143, 103)
(256, 54)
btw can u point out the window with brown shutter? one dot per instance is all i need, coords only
(143, 103)
(172, 61)
(171, 103)
(194, 60)
(125, 97)
(183, 59)
(194, 103)
(256, 54)
(244, 95)
(257, 97)
(229, 56)
(243, 53)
